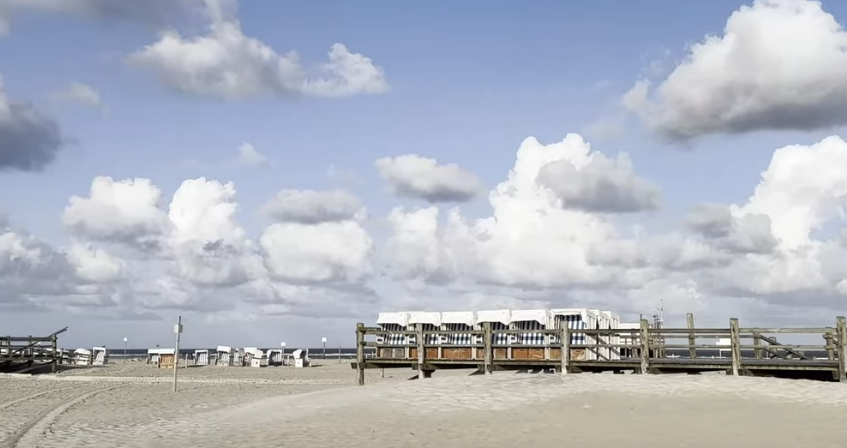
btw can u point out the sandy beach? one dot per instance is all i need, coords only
(131, 405)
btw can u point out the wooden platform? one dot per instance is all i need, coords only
(25, 354)
(760, 353)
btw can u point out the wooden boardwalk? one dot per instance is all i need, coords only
(22, 354)
(751, 351)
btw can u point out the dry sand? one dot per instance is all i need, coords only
(131, 405)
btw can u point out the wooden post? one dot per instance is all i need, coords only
(597, 347)
(566, 348)
(830, 342)
(421, 350)
(841, 348)
(692, 352)
(735, 346)
(360, 354)
(55, 347)
(757, 341)
(488, 352)
(645, 346)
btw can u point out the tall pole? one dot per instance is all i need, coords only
(125, 340)
(323, 340)
(178, 331)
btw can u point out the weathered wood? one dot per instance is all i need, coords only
(773, 344)
(487, 351)
(692, 341)
(785, 347)
(54, 347)
(511, 356)
(645, 346)
(735, 346)
(421, 350)
(841, 334)
(685, 331)
(830, 346)
(798, 330)
(566, 349)
(360, 354)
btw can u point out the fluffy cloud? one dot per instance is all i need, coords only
(82, 94)
(29, 140)
(779, 65)
(313, 207)
(226, 64)
(595, 183)
(422, 178)
(133, 253)
(539, 248)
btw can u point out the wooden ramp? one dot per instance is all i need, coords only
(752, 351)
(26, 354)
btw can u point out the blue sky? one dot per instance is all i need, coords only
(469, 82)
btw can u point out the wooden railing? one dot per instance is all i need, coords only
(645, 346)
(31, 348)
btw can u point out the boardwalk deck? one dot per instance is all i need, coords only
(21, 354)
(752, 351)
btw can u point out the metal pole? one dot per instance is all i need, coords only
(324, 350)
(177, 330)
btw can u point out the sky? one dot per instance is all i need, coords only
(278, 171)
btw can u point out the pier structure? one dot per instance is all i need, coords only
(22, 354)
(644, 349)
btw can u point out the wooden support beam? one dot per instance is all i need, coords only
(487, 350)
(645, 346)
(757, 342)
(692, 341)
(54, 345)
(830, 343)
(421, 350)
(360, 354)
(735, 346)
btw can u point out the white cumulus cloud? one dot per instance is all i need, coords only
(226, 64)
(134, 251)
(419, 177)
(778, 65)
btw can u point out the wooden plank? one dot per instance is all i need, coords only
(785, 330)
(773, 344)
(735, 346)
(757, 345)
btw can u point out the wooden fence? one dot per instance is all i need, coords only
(644, 349)
(28, 352)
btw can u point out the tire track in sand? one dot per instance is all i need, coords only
(28, 435)
(30, 397)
